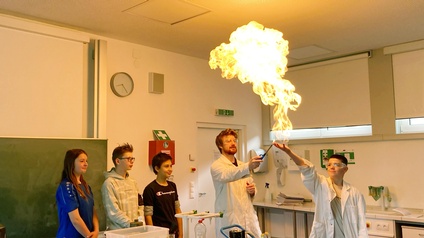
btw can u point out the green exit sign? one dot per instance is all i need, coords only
(350, 156)
(224, 112)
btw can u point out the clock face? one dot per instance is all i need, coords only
(122, 84)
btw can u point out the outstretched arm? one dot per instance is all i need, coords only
(297, 159)
(310, 177)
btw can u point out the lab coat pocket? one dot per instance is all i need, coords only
(318, 229)
(351, 213)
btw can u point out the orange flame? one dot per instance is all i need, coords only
(257, 55)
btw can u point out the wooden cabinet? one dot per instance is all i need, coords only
(303, 223)
(412, 232)
(281, 223)
(310, 221)
(284, 223)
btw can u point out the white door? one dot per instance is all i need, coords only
(207, 152)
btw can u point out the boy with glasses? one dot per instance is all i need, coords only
(121, 198)
(339, 207)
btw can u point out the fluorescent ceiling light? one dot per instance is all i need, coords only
(167, 11)
(307, 52)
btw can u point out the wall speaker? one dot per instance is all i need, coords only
(156, 83)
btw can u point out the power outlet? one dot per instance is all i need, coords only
(382, 226)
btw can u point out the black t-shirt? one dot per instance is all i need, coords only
(162, 199)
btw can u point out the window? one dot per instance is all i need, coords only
(335, 99)
(408, 79)
(410, 125)
(328, 132)
(335, 93)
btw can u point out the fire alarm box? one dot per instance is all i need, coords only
(164, 146)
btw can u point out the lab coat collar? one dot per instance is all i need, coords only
(345, 192)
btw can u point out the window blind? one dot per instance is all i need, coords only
(40, 74)
(334, 93)
(408, 76)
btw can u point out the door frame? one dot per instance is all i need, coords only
(242, 140)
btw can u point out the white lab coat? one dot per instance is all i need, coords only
(352, 201)
(232, 197)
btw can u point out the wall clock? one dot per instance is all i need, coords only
(121, 84)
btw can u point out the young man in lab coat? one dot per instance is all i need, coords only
(234, 187)
(339, 207)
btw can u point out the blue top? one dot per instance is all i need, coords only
(67, 200)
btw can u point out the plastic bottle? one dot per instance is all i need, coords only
(200, 229)
(267, 194)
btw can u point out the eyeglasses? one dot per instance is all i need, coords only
(129, 159)
(336, 165)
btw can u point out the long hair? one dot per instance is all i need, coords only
(68, 170)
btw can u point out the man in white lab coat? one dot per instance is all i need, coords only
(234, 187)
(339, 207)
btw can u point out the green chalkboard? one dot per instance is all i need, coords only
(30, 170)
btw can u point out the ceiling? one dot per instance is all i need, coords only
(195, 27)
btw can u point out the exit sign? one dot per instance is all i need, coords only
(224, 112)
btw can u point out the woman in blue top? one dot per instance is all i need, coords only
(74, 199)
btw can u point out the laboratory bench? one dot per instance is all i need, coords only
(296, 220)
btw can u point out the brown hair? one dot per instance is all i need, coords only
(227, 132)
(119, 151)
(339, 157)
(68, 170)
(159, 159)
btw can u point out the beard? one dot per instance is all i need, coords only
(230, 151)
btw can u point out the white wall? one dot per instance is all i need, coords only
(396, 164)
(383, 159)
(192, 93)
